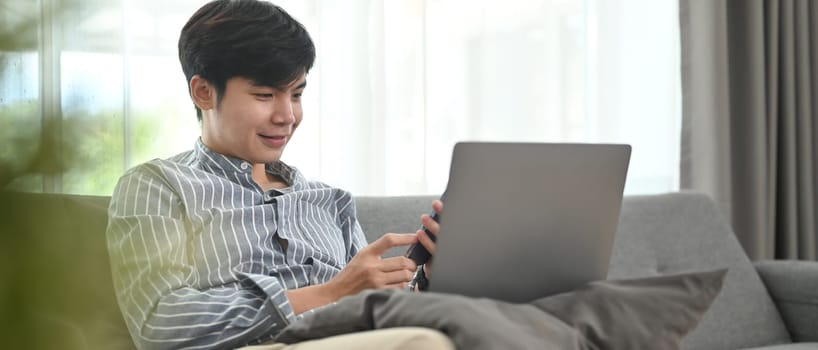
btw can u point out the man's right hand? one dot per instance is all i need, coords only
(367, 270)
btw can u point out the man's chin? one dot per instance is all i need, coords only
(265, 154)
(270, 157)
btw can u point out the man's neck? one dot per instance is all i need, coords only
(265, 180)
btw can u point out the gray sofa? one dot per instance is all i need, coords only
(770, 305)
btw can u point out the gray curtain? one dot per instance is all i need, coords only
(749, 128)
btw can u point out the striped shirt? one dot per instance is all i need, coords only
(201, 255)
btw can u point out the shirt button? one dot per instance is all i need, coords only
(245, 165)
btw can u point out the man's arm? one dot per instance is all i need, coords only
(157, 288)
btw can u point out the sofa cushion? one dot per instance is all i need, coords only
(679, 232)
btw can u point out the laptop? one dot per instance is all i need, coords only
(523, 221)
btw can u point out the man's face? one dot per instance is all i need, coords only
(253, 122)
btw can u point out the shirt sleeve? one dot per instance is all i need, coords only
(156, 284)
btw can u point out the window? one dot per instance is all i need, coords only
(396, 84)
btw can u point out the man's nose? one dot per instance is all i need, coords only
(283, 111)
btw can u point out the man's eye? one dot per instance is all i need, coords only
(297, 96)
(264, 95)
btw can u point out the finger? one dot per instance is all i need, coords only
(391, 240)
(427, 242)
(401, 276)
(437, 205)
(397, 263)
(430, 224)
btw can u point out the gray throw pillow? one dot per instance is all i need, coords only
(644, 313)
(648, 313)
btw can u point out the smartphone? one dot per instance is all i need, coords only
(417, 252)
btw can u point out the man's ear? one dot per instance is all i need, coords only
(202, 93)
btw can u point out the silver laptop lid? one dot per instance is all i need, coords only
(527, 220)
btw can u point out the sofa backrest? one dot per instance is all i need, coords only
(657, 234)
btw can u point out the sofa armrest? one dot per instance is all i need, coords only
(793, 285)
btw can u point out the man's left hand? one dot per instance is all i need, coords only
(431, 225)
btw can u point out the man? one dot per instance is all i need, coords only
(224, 245)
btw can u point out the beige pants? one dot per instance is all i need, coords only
(403, 338)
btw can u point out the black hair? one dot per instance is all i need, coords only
(251, 39)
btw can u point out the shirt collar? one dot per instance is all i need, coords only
(228, 165)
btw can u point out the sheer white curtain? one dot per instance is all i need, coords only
(398, 82)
